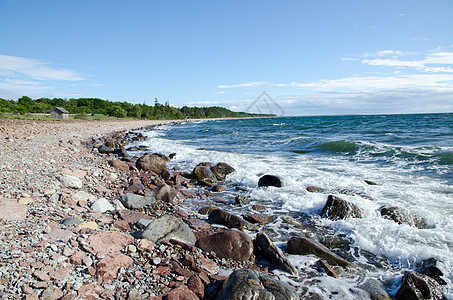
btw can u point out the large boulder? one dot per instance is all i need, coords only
(339, 209)
(221, 170)
(304, 246)
(134, 201)
(429, 267)
(151, 162)
(204, 173)
(418, 286)
(222, 217)
(168, 194)
(232, 244)
(166, 228)
(270, 180)
(250, 284)
(265, 247)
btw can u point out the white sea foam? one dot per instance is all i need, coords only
(403, 246)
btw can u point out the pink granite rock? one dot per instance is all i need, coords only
(108, 242)
(12, 210)
(107, 268)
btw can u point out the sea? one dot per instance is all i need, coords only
(409, 157)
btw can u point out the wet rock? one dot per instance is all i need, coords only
(314, 189)
(270, 180)
(204, 173)
(241, 200)
(402, 216)
(429, 268)
(108, 242)
(339, 209)
(257, 218)
(151, 162)
(104, 149)
(11, 210)
(222, 217)
(134, 201)
(419, 286)
(232, 244)
(119, 164)
(265, 247)
(258, 207)
(250, 284)
(102, 205)
(70, 181)
(168, 194)
(304, 246)
(164, 157)
(218, 188)
(324, 266)
(221, 170)
(168, 227)
(375, 289)
(369, 182)
(107, 268)
(196, 285)
(206, 209)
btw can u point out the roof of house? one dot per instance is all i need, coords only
(61, 110)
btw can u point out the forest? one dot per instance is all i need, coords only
(91, 106)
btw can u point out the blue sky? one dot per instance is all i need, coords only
(311, 57)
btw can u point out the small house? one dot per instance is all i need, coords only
(59, 113)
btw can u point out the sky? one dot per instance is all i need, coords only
(285, 57)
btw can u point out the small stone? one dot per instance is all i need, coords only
(131, 249)
(25, 201)
(70, 181)
(102, 205)
(157, 261)
(11, 210)
(88, 225)
(87, 261)
(41, 275)
(258, 207)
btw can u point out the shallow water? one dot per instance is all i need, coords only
(409, 156)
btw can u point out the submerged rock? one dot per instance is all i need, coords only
(232, 244)
(250, 284)
(270, 180)
(304, 246)
(221, 170)
(429, 268)
(339, 209)
(265, 246)
(314, 189)
(403, 216)
(151, 162)
(419, 286)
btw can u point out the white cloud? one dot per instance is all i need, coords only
(247, 84)
(35, 69)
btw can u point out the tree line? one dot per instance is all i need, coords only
(85, 106)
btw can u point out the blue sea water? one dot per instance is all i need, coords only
(410, 157)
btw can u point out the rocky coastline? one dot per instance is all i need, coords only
(82, 219)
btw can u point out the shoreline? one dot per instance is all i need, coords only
(49, 253)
